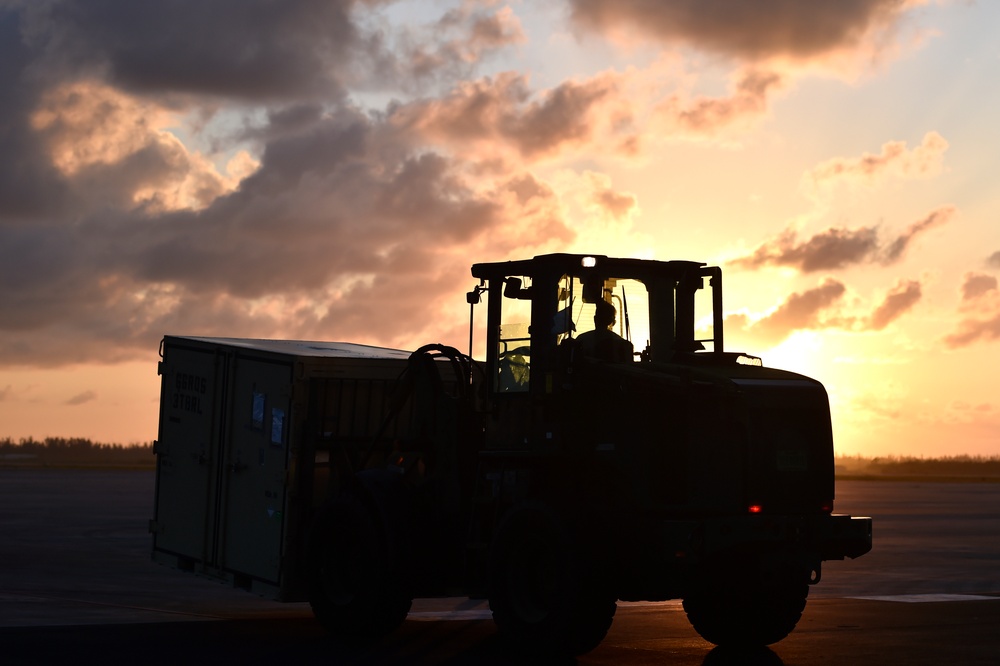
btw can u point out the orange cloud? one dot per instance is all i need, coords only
(805, 310)
(981, 305)
(869, 170)
(838, 247)
(974, 330)
(117, 150)
(822, 307)
(898, 301)
(706, 116)
(976, 285)
(502, 114)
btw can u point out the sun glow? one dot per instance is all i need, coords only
(800, 352)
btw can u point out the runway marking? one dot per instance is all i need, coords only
(927, 598)
(21, 597)
(486, 614)
(453, 615)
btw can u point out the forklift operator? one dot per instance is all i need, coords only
(602, 342)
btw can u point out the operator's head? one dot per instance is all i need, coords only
(604, 314)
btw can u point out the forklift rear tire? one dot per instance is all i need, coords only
(548, 588)
(354, 571)
(747, 613)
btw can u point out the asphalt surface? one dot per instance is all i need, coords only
(77, 585)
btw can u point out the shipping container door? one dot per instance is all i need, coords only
(254, 475)
(191, 397)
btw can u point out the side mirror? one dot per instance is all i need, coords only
(513, 289)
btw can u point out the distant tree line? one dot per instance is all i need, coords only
(958, 467)
(82, 452)
(73, 452)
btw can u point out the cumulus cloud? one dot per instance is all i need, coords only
(822, 308)
(211, 168)
(114, 150)
(503, 114)
(807, 310)
(837, 247)
(461, 37)
(299, 48)
(833, 248)
(330, 218)
(749, 30)
(343, 224)
(980, 308)
(974, 330)
(869, 170)
(615, 204)
(977, 285)
(708, 116)
(994, 260)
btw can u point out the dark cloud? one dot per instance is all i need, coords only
(837, 248)
(745, 29)
(827, 250)
(113, 232)
(255, 50)
(338, 234)
(29, 184)
(898, 301)
(994, 260)
(251, 50)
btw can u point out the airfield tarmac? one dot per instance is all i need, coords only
(77, 584)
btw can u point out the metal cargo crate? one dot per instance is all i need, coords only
(253, 437)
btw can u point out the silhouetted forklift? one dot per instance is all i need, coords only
(608, 448)
(684, 472)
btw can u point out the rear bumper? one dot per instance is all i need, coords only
(659, 558)
(830, 537)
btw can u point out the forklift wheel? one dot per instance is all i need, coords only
(353, 572)
(549, 590)
(749, 612)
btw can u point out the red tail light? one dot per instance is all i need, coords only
(755, 508)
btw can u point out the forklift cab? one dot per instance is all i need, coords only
(541, 311)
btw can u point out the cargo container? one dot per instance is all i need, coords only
(252, 435)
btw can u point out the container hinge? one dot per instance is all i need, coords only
(159, 368)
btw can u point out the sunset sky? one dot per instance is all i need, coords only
(329, 170)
